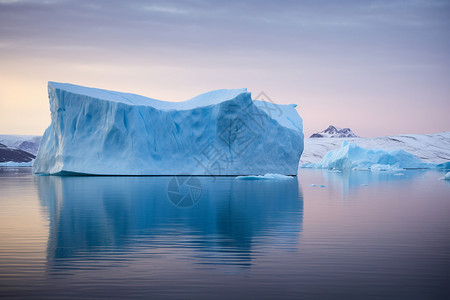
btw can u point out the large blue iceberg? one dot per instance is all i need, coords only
(222, 132)
(353, 157)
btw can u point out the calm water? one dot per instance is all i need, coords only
(361, 235)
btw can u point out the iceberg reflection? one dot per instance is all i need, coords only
(350, 182)
(229, 222)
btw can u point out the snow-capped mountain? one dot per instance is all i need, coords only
(28, 143)
(14, 155)
(431, 148)
(335, 132)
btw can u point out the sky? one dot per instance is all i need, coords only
(378, 67)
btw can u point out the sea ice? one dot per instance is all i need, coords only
(315, 185)
(222, 132)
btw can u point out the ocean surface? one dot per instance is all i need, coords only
(356, 235)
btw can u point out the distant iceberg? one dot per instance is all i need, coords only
(352, 157)
(264, 177)
(430, 148)
(222, 132)
(444, 166)
(446, 177)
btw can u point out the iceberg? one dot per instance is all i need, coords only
(446, 177)
(444, 166)
(264, 177)
(430, 148)
(354, 157)
(222, 132)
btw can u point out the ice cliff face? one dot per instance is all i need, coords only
(222, 132)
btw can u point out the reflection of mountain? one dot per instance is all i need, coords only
(89, 215)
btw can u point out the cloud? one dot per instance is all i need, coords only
(165, 9)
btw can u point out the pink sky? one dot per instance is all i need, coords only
(378, 67)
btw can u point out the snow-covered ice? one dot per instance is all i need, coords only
(354, 157)
(222, 132)
(431, 148)
(335, 132)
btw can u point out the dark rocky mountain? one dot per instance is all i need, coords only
(27, 143)
(335, 132)
(16, 155)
